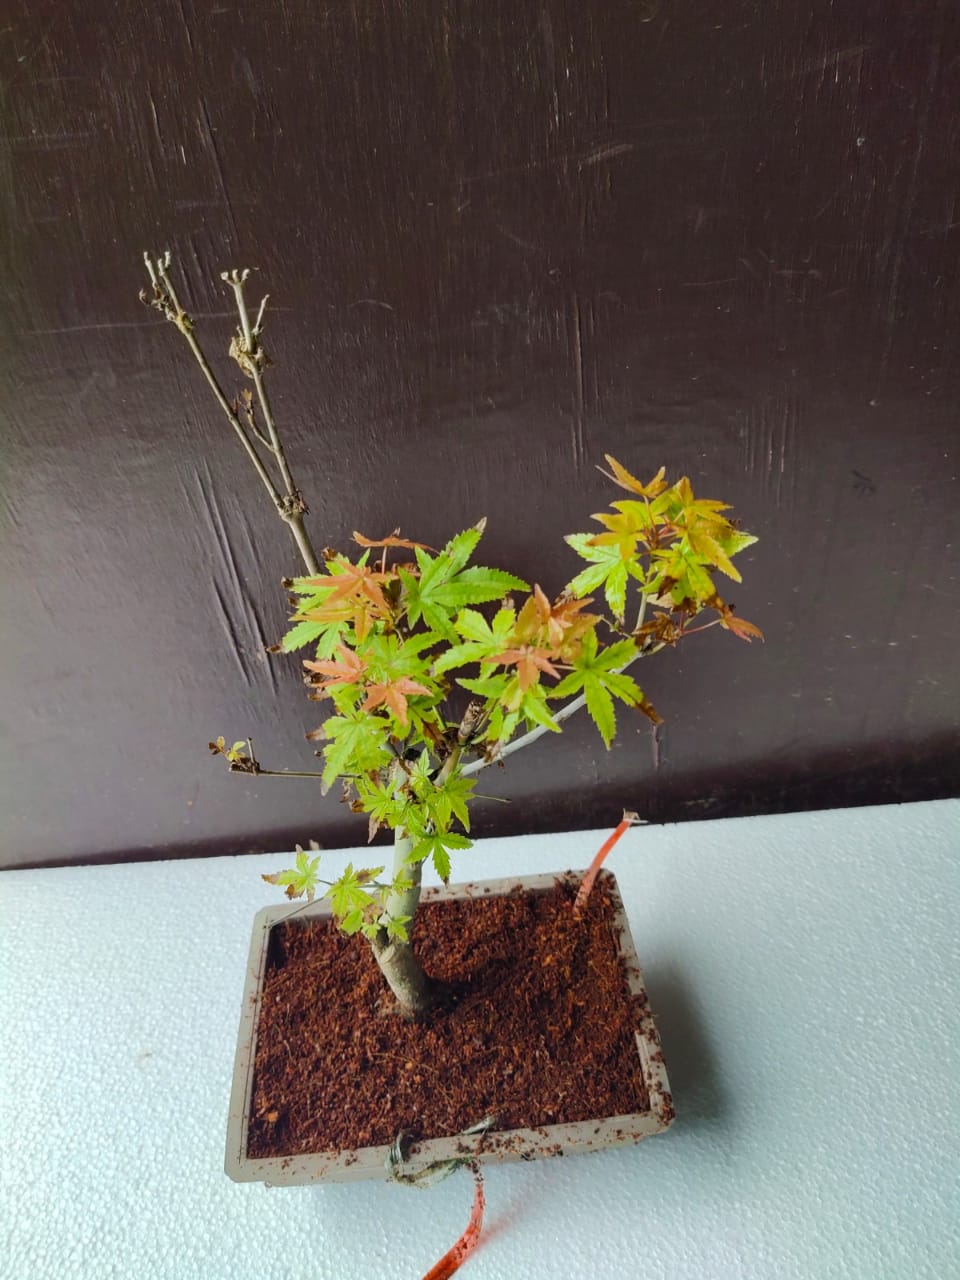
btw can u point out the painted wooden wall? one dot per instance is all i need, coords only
(501, 239)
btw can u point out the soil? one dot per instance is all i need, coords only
(538, 1028)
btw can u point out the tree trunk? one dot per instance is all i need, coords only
(415, 992)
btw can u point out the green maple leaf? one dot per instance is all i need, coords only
(445, 585)
(302, 634)
(482, 639)
(607, 569)
(439, 805)
(436, 845)
(299, 880)
(353, 905)
(502, 724)
(396, 927)
(358, 744)
(532, 705)
(462, 546)
(487, 686)
(383, 801)
(596, 672)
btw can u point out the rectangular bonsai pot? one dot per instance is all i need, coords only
(496, 1145)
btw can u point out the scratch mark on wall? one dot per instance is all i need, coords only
(156, 122)
(127, 324)
(769, 433)
(910, 200)
(186, 24)
(372, 302)
(45, 141)
(207, 130)
(243, 606)
(607, 152)
(938, 231)
(251, 553)
(707, 284)
(251, 557)
(521, 243)
(214, 519)
(656, 746)
(264, 659)
(226, 622)
(577, 426)
(835, 58)
(246, 70)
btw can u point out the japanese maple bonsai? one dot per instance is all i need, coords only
(427, 687)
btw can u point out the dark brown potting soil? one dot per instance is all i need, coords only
(538, 1028)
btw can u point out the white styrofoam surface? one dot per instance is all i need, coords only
(804, 969)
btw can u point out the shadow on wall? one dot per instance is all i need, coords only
(845, 777)
(848, 777)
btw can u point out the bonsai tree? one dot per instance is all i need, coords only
(432, 666)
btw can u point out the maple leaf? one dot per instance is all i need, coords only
(630, 526)
(392, 540)
(558, 626)
(303, 633)
(730, 622)
(598, 673)
(529, 660)
(355, 580)
(606, 568)
(444, 585)
(436, 846)
(622, 477)
(682, 493)
(393, 695)
(351, 594)
(482, 638)
(705, 534)
(357, 743)
(352, 905)
(348, 670)
(299, 881)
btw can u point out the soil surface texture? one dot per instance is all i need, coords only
(538, 1027)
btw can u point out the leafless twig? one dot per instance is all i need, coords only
(248, 351)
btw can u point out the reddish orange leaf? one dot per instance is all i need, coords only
(454, 1258)
(356, 580)
(393, 695)
(339, 612)
(740, 627)
(529, 662)
(554, 627)
(391, 541)
(348, 671)
(360, 611)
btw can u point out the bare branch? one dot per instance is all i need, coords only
(253, 360)
(163, 297)
(534, 735)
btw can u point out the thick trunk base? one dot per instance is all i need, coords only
(415, 993)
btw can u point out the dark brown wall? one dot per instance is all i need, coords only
(502, 238)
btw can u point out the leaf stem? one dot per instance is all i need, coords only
(280, 773)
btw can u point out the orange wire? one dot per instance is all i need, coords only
(454, 1257)
(587, 883)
